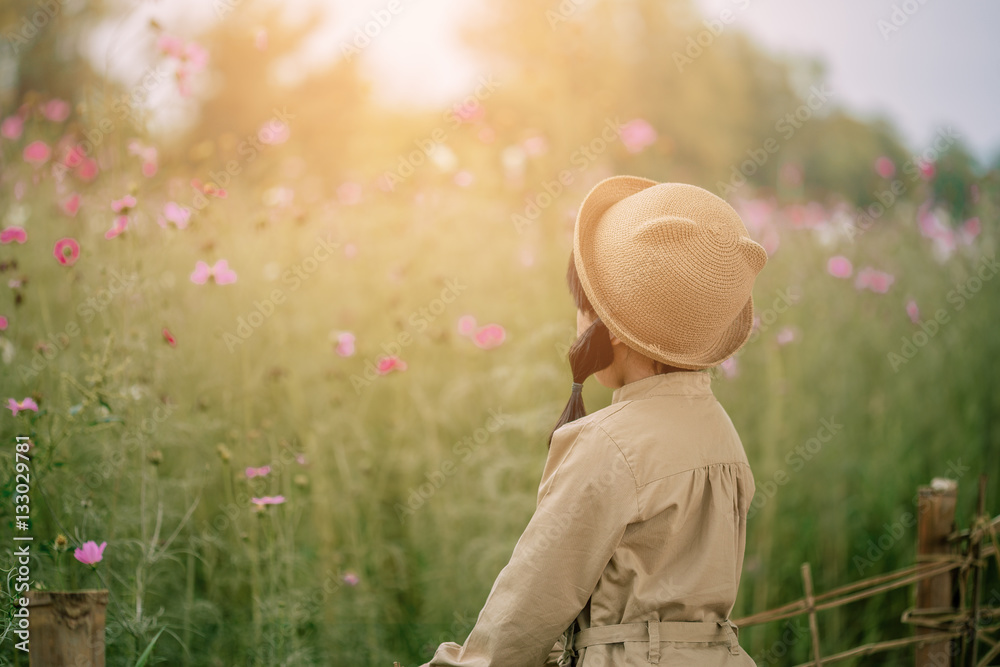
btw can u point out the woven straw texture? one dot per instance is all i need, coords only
(669, 268)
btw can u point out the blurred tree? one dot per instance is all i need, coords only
(40, 49)
(838, 153)
(322, 109)
(955, 173)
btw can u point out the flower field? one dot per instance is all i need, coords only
(288, 374)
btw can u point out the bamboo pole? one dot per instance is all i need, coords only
(973, 654)
(897, 579)
(807, 584)
(935, 522)
(880, 647)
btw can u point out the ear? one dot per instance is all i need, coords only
(615, 340)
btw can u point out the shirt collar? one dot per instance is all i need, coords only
(678, 383)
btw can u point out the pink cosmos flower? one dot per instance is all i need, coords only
(37, 153)
(267, 500)
(274, 132)
(885, 167)
(770, 239)
(262, 471)
(933, 227)
(74, 156)
(119, 226)
(387, 364)
(175, 213)
(535, 146)
(791, 174)
(56, 110)
(11, 234)
(469, 112)
(195, 56)
(729, 368)
(183, 75)
(169, 337)
(90, 553)
(839, 267)
(11, 127)
(300, 459)
(345, 344)
(67, 251)
(191, 58)
(72, 205)
(209, 189)
(87, 170)
(876, 281)
(927, 170)
(349, 193)
(147, 154)
(170, 45)
(3, 323)
(352, 579)
(487, 135)
(637, 135)
(786, 335)
(970, 229)
(26, 404)
(124, 204)
(220, 273)
(466, 325)
(913, 311)
(489, 336)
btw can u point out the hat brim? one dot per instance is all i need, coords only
(602, 197)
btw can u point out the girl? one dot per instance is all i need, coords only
(634, 553)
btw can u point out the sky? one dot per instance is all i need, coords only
(928, 63)
(942, 65)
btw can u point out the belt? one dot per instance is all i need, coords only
(654, 632)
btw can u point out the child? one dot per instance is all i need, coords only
(634, 553)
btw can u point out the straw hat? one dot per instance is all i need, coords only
(669, 268)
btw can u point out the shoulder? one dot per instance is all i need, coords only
(596, 418)
(584, 445)
(663, 435)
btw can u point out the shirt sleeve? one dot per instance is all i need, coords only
(586, 499)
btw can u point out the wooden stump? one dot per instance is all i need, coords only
(935, 521)
(67, 628)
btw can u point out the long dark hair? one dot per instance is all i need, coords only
(590, 352)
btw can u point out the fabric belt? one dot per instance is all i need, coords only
(654, 632)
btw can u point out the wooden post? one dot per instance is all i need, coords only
(67, 628)
(935, 521)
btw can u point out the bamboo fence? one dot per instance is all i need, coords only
(950, 630)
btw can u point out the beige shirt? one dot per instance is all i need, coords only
(641, 516)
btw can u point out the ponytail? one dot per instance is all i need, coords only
(590, 353)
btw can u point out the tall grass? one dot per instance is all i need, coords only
(393, 531)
